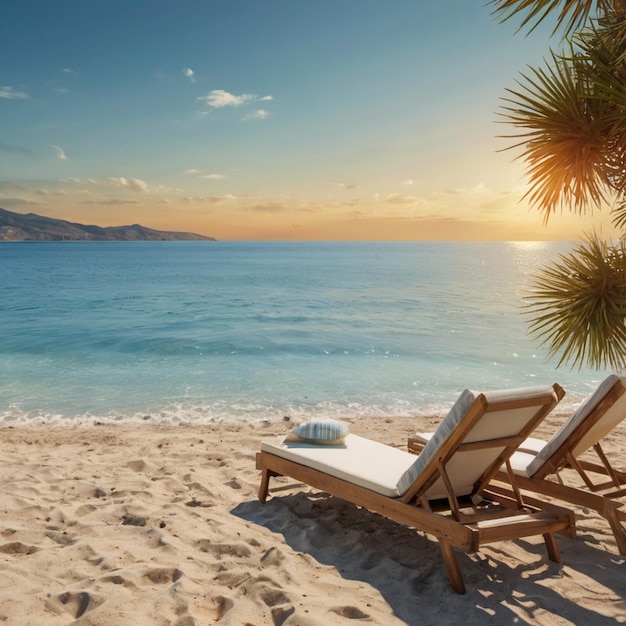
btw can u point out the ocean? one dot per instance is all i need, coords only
(201, 332)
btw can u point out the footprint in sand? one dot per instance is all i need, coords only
(116, 579)
(193, 503)
(17, 547)
(163, 575)
(137, 466)
(272, 558)
(221, 606)
(75, 604)
(240, 550)
(350, 612)
(84, 509)
(62, 538)
(280, 614)
(134, 520)
(273, 597)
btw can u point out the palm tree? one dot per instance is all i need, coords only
(571, 121)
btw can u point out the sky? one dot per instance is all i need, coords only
(269, 119)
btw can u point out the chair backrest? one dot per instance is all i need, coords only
(479, 433)
(593, 420)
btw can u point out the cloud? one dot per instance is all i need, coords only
(67, 70)
(6, 147)
(20, 202)
(189, 73)
(268, 207)
(44, 191)
(213, 176)
(345, 185)
(219, 98)
(408, 181)
(478, 189)
(111, 202)
(10, 186)
(261, 114)
(264, 98)
(191, 172)
(134, 184)
(398, 198)
(60, 152)
(8, 93)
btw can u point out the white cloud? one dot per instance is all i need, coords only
(189, 73)
(134, 184)
(213, 176)
(398, 198)
(60, 152)
(191, 172)
(219, 98)
(408, 181)
(480, 188)
(266, 98)
(8, 93)
(67, 70)
(261, 114)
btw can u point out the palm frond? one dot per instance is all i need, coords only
(572, 14)
(619, 214)
(578, 306)
(565, 135)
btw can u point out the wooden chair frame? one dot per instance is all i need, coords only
(491, 516)
(605, 497)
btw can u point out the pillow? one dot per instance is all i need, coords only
(322, 431)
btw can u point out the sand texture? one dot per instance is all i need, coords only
(160, 525)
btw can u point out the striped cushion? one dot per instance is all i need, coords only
(321, 430)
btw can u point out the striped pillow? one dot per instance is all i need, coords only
(322, 431)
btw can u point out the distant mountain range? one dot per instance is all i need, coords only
(31, 227)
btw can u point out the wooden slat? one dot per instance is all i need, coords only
(560, 454)
(429, 522)
(484, 444)
(467, 537)
(455, 440)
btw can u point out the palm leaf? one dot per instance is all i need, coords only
(565, 135)
(578, 306)
(572, 14)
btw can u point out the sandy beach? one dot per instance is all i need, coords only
(160, 525)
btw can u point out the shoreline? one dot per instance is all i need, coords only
(160, 524)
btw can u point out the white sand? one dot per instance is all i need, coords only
(154, 525)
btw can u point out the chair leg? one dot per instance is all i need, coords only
(265, 485)
(618, 530)
(452, 567)
(553, 549)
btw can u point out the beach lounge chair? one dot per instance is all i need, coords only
(443, 492)
(557, 468)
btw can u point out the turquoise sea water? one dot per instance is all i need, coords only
(214, 331)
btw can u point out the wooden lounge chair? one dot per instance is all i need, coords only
(557, 468)
(445, 491)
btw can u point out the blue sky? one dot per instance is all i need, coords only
(278, 119)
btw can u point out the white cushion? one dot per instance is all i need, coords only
(465, 468)
(608, 421)
(391, 471)
(360, 461)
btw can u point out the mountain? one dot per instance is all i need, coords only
(31, 227)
